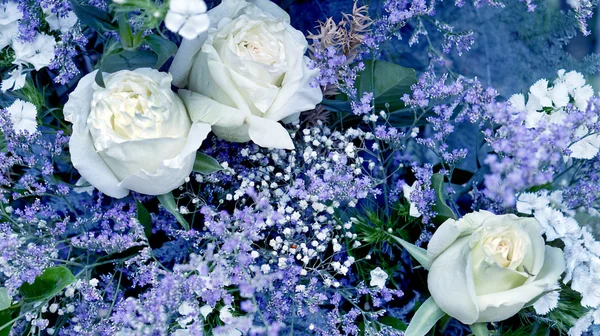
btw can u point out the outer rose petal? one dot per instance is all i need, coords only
(450, 282)
(451, 230)
(268, 133)
(271, 8)
(306, 96)
(83, 154)
(207, 110)
(502, 305)
(210, 77)
(172, 172)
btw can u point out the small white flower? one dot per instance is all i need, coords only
(39, 53)
(547, 302)
(572, 79)
(205, 310)
(378, 278)
(540, 91)
(9, 13)
(23, 116)
(185, 308)
(560, 95)
(61, 23)
(187, 17)
(414, 211)
(16, 80)
(225, 315)
(589, 145)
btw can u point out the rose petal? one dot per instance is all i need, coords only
(502, 305)
(268, 133)
(451, 230)
(271, 8)
(171, 173)
(83, 154)
(90, 165)
(210, 77)
(296, 97)
(207, 110)
(450, 282)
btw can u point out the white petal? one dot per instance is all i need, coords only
(559, 95)
(298, 96)
(194, 26)
(268, 133)
(447, 233)
(211, 77)
(83, 154)
(450, 282)
(172, 173)
(90, 165)
(518, 102)
(502, 305)
(586, 148)
(207, 110)
(547, 302)
(272, 8)
(174, 21)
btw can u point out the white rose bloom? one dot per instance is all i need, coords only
(135, 134)
(187, 17)
(486, 267)
(23, 116)
(247, 73)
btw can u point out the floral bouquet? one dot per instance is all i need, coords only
(299, 167)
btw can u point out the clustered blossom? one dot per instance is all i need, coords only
(582, 251)
(531, 153)
(22, 32)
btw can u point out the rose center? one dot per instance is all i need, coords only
(505, 249)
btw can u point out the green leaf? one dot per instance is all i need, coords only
(143, 216)
(480, 329)
(125, 32)
(425, 318)
(388, 82)
(6, 316)
(420, 254)
(205, 164)
(441, 208)
(5, 300)
(48, 284)
(99, 78)
(93, 17)
(168, 201)
(129, 60)
(393, 322)
(163, 48)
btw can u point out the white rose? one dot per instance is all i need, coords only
(486, 267)
(135, 134)
(247, 73)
